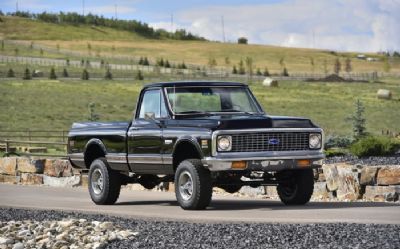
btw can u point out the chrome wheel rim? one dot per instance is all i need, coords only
(185, 183)
(97, 181)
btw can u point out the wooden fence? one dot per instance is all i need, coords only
(28, 140)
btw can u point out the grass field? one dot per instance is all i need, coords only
(105, 41)
(53, 105)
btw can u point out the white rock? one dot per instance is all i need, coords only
(71, 181)
(18, 245)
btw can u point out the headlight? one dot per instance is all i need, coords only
(224, 143)
(315, 141)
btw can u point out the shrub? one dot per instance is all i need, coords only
(85, 75)
(52, 75)
(375, 146)
(65, 73)
(10, 73)
(108, 75)
(337, 142)
(258, 72)
(27, 74)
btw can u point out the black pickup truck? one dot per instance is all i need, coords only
(199, 135)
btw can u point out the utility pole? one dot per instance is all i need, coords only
(16, 6)
(172, 23)
(116, 15)
(83, 7)
(223, 28)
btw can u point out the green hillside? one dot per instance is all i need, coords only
(107, 41)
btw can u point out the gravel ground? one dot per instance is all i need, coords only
(370, 161)
(168, 234)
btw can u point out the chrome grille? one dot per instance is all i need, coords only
(270, 141)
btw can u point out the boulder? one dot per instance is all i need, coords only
(389, 175)
(368, 175)
(31, 179)
(269, 82)
(271, 191)
(58, 168)
(249, 191)
(384, 94)
(320, 191)
(8, 165)
(342, 178)
(71, 181)
(84, 180)
(331, 176)
(9, 179)
(27, 165)
(382, 193)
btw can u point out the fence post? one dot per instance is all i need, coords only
(7, 146)
(29, 135)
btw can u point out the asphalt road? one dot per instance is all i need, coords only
(163, 206)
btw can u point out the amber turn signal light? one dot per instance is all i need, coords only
(239, 165)
(303, 163)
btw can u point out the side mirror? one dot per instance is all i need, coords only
(149, 115)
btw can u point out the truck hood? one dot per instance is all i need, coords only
(229, 122)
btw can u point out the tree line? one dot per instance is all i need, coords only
(90, 19)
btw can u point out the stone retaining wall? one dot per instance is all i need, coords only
(340, 181)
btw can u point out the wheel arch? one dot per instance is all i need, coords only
(94, 149)
(185, 148)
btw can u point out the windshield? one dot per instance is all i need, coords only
(210, 100)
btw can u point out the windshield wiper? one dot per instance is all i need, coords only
(194, 112)
(245, 112)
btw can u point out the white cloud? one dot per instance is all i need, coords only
(357, 25)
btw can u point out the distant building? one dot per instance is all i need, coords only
(361, 57)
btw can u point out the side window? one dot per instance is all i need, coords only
(153, 102)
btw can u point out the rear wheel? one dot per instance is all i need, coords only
(193, 187)
(104, 183)
(299, 189)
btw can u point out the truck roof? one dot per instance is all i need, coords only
(194, 83)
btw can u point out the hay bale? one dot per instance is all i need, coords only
(269, 82)
(384, 94)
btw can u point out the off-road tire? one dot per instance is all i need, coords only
(111, 183)
(299, 189)
(201, 182)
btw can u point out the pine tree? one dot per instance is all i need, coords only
(52, 75)
(93, 116)
(358, 120)
(108, 75)
(27, 74)
(285, 72)
(266, 72)
(10, 73)
(166, 64)
(258, 72)
(241, 67)
(337, 67)
(141, 60)
(85, 75)
(348, 67)
(65, 73)
(234, 70)
(146, 61)
(2, 45)
(139, 75)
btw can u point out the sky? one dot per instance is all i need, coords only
(343, 25)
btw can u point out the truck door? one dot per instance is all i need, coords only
(145, 134)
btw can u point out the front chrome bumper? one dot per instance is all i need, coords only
(266, 164)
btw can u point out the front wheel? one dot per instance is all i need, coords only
(104, 183)
(193, 187)
(298, 189)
